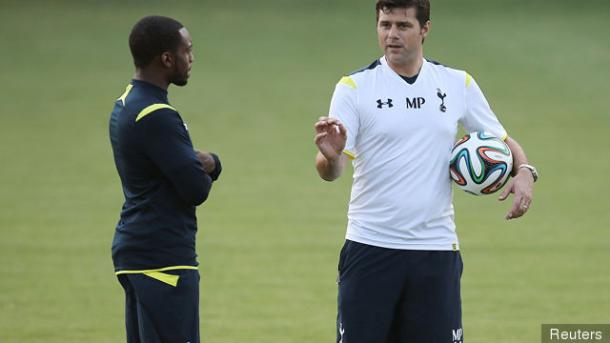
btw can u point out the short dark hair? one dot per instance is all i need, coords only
(422, 8)
(152, 36)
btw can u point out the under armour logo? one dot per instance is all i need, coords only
(341, 332)
(442, 96)
(381, 103)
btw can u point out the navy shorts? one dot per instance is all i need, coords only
(398, 296)
(158, 312)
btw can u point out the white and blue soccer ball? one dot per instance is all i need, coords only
(480, 163)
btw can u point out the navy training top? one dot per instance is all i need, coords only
(162, 180)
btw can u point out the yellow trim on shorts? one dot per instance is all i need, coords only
(149, 109)
(169, 279)
(144, 271)
(349, 154)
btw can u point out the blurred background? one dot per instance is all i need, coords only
(270, 233)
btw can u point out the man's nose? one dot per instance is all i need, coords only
(393, 32)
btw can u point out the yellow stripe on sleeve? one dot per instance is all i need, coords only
(505, 137)
(349, 154)
(348, 81)
(124, 96)
(154, 107)
(468, 80)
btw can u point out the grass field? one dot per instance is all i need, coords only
(271, 231)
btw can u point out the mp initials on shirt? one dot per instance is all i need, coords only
(415, 102)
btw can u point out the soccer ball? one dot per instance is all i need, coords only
(480, 163)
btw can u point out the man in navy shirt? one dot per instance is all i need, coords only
(163, 180)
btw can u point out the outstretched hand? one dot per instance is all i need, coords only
(330, 138)
(522, 188)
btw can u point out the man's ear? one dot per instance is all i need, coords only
(167, 59)
(425, 29)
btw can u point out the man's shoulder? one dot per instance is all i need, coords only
(449, 73)
(153, 111)
(139, 95)
(138, 105)
(442, 67)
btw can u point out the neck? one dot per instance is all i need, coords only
(149, 76)
(409, 68)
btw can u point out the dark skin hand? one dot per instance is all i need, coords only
(206, 160)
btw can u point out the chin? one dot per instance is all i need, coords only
(392, 58)
(180, 83)
(397, 59)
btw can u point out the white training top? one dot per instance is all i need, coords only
(400, 137)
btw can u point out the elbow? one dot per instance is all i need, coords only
(198, 194)
(203, 191)
(200, 198)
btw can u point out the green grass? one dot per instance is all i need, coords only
(271, 230)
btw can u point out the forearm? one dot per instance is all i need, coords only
(521, 185)
(330, 170)
(192, 184)
(519, 156)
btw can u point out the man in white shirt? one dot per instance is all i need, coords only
(397, 119)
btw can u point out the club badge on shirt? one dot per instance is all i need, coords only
(442, 96)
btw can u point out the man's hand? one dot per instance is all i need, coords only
(206, 160)
(330, 138)
(522, 187)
